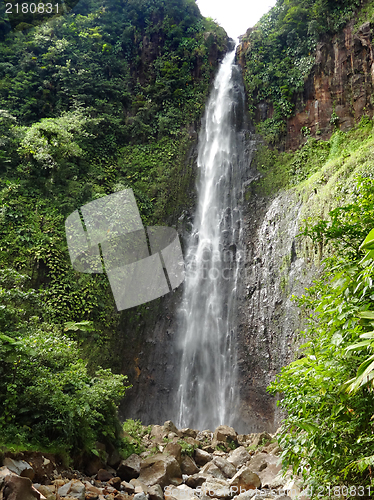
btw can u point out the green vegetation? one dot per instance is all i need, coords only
(328, 433)
(187, 448)
(48, 398)
(133, 432)
(100, 99)
(324, 168)
(281, 53)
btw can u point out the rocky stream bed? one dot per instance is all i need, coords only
(176, 465)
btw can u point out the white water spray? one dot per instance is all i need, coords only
(207, 394)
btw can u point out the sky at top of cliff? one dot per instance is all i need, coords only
(235, 16)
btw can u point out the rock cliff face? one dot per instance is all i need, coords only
(276, 267)
(278, 264)
(341, 83)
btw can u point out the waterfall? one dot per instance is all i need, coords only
(207, 395)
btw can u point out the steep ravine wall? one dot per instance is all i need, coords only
(277, 266)
(341, 82)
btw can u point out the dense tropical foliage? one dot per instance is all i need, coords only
(280, 54)
(328, 394)
(91, 102)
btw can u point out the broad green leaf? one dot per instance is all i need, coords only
(366, 314)
(368, 243)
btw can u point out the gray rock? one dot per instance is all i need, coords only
(188, 466)
(20, 467)
(245, 479)
(174, 450)
(47, 491)
(140, 496)
(139, 486)
(157, 434)
(196, 480)
(224, 433)
(160, 469)
(228, 469)
(213, 470)
(239, 457)
(202, 457)
(170, 427)
(182, 492)
(216, 488)
(155, 492)
(128, 487)
(19, 488)
(64, 490)
(261, 439)
(77, 490)
(129, 468)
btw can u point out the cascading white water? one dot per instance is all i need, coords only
(207, 394)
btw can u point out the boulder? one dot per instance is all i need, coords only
(129, 468)
(242, 439)
(64, 489)
(128, 487)
(263, 462)
(208, 448)
(182, 492)
(213, 470)
(228, 469)
(139, 486)
(115, 482)
(188, 466)
(104, 475)
(20, 467)
(170, 427)
(174, 450)
(187, 432)
(4, 472)
(293, 489)
(196, 480)
(224, 434)
(160, 469)
(46, 491)
(92, 491)
(114, 459)
(216, 488)
(155, 492)
(202, 457)
(77, 490)
(173, 436)
(157, 434)
(239, 457)
(140, 496)
(19, 488)
(245, 479)
(261, 439)
(192, 441)
(273, 448)
(73, 489)
(122, 496)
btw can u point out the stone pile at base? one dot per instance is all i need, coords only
(176, 465)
